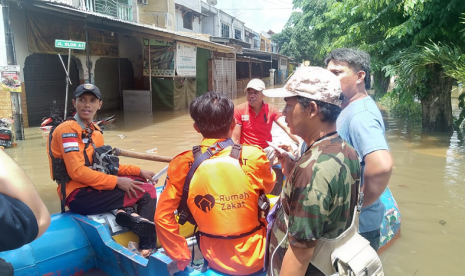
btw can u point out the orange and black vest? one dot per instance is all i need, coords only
(220, 199)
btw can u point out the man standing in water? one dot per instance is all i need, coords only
(361, 124)
(254, 121)
(254, 118)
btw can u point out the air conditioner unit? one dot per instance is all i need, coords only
(142, 2)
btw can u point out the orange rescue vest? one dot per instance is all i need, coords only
(221, 199)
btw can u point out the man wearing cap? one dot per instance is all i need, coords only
(320, 194)
(86, 191)
(255, 118)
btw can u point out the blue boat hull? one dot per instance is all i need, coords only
(74, 244)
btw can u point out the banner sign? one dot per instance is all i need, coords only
(10, 78)
(162, 61)
(186, 58)
(42, 32)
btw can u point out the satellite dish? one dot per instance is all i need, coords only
(212, 2)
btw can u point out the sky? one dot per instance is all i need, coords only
(259, 15)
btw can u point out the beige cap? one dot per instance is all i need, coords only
(256, 84)
(311, 82)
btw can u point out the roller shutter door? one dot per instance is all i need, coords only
(44, 80)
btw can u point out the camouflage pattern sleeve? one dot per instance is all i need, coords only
(320, 196)
(309, 209)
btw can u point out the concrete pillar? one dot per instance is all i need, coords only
(83, 60)
(272, 76)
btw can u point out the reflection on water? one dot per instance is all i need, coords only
(427, 181)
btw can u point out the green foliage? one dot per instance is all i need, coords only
(412, 66)
(408, 109)
(403, 37)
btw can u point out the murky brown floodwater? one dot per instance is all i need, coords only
(427, 182)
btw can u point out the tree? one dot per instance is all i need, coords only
(388, 29)
(299, 38)
(424, 72)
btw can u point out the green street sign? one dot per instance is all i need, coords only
(68, 44)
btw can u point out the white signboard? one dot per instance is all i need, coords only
(186, 58)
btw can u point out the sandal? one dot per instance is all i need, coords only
(137, 224)
(147, 243)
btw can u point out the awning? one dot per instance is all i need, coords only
(250, 59)
(105, 22)
(263, 55)
(185, 9)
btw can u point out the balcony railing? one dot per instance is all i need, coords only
(111, 8)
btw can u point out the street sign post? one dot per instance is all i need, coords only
(68, 44)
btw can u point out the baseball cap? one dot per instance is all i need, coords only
(87, 87)
(311, 82)
(256, 84)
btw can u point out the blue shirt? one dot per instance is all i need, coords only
(361, 125)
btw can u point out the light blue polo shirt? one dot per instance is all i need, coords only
(361, 125)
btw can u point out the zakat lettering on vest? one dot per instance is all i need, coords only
(228, 204)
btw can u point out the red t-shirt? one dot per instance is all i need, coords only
(256, 128)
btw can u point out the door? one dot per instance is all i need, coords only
(44, 80)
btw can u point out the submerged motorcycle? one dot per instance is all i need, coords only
(56, 118)
(6, 136)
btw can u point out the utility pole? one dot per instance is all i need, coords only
(11, 59)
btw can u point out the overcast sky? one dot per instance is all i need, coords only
(259, 15)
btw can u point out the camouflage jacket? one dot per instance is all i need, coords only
(318, 198)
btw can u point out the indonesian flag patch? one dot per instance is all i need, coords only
(70, 142)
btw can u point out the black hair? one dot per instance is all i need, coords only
(357, 60)
(329, 112)
(213, 113)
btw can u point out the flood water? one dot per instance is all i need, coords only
(427, 182)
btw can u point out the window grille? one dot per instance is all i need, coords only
(224, 30)
(187, 21)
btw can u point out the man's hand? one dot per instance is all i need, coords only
(296, 261)
(129, 186)
(147, 175)
(286, 163)
(378, 170)
(270, 154)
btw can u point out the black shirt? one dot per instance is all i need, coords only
(18, 225)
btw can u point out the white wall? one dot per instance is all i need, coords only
(191, 4)
(132, 49)
(3, 59)
(208, 25)
(233, 24)
(18, 28)
(238, 26)
(227, 20)
(196, 27)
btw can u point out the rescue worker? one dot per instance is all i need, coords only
(86, 191)
(222, 197)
